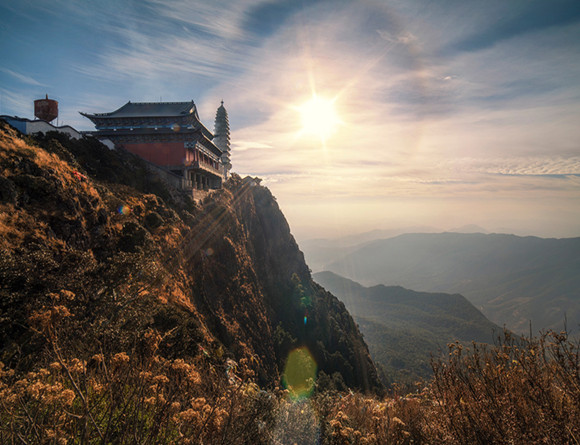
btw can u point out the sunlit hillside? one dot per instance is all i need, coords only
(131, 314)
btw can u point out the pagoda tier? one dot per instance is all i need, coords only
(222, 136)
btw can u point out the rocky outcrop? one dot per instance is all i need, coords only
(223, 277)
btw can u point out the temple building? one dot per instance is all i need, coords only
(171, 136)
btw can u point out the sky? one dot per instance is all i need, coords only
(447, 113)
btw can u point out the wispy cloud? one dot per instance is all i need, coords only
(440, 106)
(22, 77)
(518, 21)
(220, 18)
(211, 44)
(14, 101)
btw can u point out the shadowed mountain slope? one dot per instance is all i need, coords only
(404, 328)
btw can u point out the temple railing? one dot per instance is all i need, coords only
(208, 167)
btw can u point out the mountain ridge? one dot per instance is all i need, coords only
(87, 228)
(512, 279)
(405, 328)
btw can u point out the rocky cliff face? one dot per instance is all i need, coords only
(90, 230)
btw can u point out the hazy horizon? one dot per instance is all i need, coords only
(438, 114)
(389, 232)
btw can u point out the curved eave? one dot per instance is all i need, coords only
(149, 109)
(91, 117)
(208, 134)
(210, 145)
(97, 115)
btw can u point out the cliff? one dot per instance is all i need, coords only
(91, 231)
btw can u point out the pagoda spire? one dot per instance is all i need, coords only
(222, 137)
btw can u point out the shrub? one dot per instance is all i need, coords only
(520, 391)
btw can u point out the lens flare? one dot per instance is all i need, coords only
(300, 373)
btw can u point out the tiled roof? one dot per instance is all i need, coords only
(143, 109)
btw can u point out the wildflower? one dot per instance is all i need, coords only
(160, 379)
(64, 295)
(193, 377)
(55, 366)
(145, 375)
(189, 416)
(175, 406)
(68, 397)
(95, 386)
(36, 389)
(398, 421)
(7, 373)
(77, 366)
(153, 339)
(120, 358)
(180, 365)
(198, 403)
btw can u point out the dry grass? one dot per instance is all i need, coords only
(521, 391)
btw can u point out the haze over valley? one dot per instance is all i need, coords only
(513, 280)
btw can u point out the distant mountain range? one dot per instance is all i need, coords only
(319, 250)
(513, 280)
(404, 328)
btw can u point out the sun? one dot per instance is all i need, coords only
(319, 117)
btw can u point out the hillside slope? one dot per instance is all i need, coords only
(404, 328)
(85, 228)
(511, 279)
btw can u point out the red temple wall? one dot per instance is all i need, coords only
(161, 153)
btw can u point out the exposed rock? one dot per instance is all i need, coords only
(225, 275)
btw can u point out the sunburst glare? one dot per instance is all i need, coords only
(319, 117)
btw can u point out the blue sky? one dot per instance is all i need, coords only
(451, 112)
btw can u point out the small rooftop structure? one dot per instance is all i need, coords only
(46, 109)
(30, 127)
